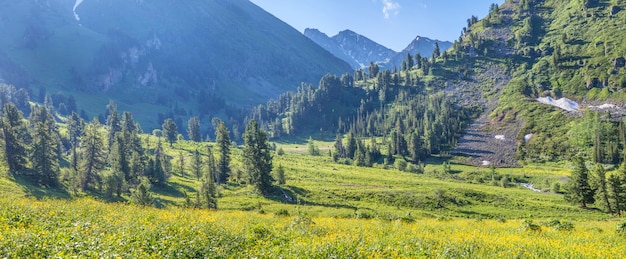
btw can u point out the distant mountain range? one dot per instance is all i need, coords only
(153, 55)
(422, 45)
(358, 50)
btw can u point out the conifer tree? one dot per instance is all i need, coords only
(14, 134)
(44, 155)
(211, 165)
(208, 191)
(196, 164)
(75, 127)
(578, 188)
(257, 160)
(600, 186)
(193, 129)
(94, 156)
(170, 130)
(223, 144)
(280, 175)
(339, 150)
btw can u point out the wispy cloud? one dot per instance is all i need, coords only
(390, 7)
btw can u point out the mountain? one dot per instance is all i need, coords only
(357, 50)
(150, 56)
(422, 45)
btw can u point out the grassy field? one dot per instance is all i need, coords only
(337, 211)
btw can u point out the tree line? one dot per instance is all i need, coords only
(116, 159)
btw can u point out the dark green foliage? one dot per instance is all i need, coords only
(15, 134)
(599, 184)
(197, 164)
(578, 188)
(170, 130)
(222, 140)
(157, 169)
(45, 147)
(211, 166)
(93, 156)
(141, 194)
(257, 160)
(193, 129)
(312, 149)
(280, 175)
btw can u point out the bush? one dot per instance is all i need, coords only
(556, 187)
(282, 213)
(400, 165)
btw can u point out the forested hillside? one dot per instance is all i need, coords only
(156, 57)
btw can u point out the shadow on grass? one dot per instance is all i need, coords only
(39, 191)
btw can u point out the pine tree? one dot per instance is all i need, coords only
(44, 155)
(170, 130)
(196, 164)
(578, 188)
(616, 189)
(339, 150)
(114, 124)
(118, 157)
(14, 133)
(158, 172)
(181, 163)
(257, 160)
(599, 184)
(280, 175)
(75, 127)
(211, 166)
(350, 146)
(208, 192)
(223, 144)
(193, 129)
(94, 156)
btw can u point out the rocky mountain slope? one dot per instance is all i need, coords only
(422, 45)
(351, 47)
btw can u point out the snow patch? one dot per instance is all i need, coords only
(500, 137)
(563, 103)
(529, 186)
(605, 106)
(527, 137)
(76, 4)
(486, 163)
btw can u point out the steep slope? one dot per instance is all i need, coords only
(572, 49)
(351, 47)
(157, 52)
(420, 45)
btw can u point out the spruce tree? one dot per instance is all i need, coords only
(196, 164)
(14, 133)
(339, 150)
(170, 130)
(94, 156)
(44, 155)
(208, 191)
(257, 160)
(223, 145)
(211, 165)
(193, 129)
(578, 188)
(599, 184)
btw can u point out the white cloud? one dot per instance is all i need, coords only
(390, 7)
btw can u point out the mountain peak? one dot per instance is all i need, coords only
(352, 47)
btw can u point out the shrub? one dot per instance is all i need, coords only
(400, 165)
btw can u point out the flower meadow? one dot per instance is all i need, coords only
(88, 228)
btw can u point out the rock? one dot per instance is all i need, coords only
(594, 82)
(620, 62)
(614, 10)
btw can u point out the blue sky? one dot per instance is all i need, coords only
(393, 23)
